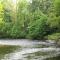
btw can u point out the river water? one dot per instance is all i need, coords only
(28, 50)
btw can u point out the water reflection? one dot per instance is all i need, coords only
(32, 54)
(54, 58)
(29, 51)
(5, 49)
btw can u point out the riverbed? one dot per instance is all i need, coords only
(24, 49)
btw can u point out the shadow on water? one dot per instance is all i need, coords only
(28, 50)
(6, 49)
(54, 58)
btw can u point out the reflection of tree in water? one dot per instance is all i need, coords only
(6, 50)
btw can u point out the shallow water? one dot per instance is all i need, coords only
(28, 50)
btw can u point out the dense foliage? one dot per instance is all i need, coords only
(33, 19)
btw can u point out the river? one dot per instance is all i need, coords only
(23, 49)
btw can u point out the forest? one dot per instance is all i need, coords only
(30, 19)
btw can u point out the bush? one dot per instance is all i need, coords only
(38, 28)
(17, 32)
(55, 36)
(54, 24)
(6, 30)
(1, 28)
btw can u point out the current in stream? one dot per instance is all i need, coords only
(28, 50)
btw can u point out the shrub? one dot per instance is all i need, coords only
(38, 28)
(17, 32)
(55, 36)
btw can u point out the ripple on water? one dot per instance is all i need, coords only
(33, 54)
(30, 50)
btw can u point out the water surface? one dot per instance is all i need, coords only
(28, 50)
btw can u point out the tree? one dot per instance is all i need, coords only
(42, 5)
(57, 7)
(37, 29)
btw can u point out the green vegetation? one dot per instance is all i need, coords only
(55, 36)
(35, 19)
